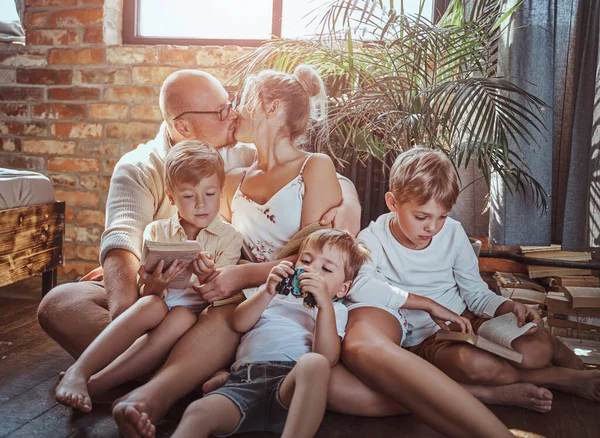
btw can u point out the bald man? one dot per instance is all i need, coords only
(195, 106)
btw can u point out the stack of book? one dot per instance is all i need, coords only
(554, 252)
(520, 288)
(569, 297)
(575, 313)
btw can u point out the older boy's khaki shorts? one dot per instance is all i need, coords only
(429, 347)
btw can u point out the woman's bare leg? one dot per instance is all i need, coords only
(304, 391)
(146, 354)
(144, 315)
(371, 351)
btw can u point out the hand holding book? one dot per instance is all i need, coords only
(203, 266)
(523, 313)
(156, 281)
(441, 314)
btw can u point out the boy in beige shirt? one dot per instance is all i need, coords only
(137, 341)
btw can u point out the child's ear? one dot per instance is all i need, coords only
(344, 290)
(271, 109)
(170, 196)
(391, 202)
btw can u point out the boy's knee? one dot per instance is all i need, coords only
(153, 306)
(183, 317)
(313, 365)
(537, 350)
(199, 410)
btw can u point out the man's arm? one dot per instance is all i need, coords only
(345, 216)
(129, 209)
(120, 280)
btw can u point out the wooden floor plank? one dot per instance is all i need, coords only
(588, 415)
(29, 368)
(8, 425)
(10, 340)
(29, 365)
(32, 403)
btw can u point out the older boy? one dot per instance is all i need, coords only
(138, 340)
(417, 248)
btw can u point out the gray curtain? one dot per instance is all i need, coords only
(552, 50)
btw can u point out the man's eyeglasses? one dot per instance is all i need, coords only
(223, 112)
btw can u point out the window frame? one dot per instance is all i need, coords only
(131, 30)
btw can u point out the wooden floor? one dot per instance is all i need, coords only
(30, 363)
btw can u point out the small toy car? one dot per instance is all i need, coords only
(291, 285)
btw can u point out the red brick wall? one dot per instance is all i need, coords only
(70, 106)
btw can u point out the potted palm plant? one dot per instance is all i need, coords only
(397, 81)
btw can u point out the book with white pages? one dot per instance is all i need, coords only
(496, 335)
(186, 252)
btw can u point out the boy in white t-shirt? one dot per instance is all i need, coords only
(417, 248)
(138, 341)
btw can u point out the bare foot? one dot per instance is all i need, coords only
(564, 357)
(72, 391)
(585, 384)
(133, 420)
(523, 395)
(215, 382)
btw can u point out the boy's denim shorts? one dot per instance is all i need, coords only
(254, 388)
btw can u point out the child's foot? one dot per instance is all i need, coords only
(528, 396)
(132, 421)
(585, 384)
(523, 395)
(564, 357)
(215, 382)
(72, 391)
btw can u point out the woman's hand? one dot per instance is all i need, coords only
(203, 266)
(154, 283)
(277, 274)
(441, 315)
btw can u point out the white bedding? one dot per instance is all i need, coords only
(20, 188)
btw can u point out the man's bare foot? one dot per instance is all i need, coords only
(133, 420)
(72, 391)
(215, 382)
(523, 395)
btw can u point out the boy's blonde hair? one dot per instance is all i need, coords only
(355, 253)
(191, 161)
(302, 95)
(421, 174)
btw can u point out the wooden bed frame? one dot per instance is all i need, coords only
(32, 242)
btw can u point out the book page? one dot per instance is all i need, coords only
(503, 329)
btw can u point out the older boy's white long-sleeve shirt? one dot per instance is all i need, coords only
(447, 272)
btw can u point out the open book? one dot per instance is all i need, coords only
(495, 335)
(186, 252)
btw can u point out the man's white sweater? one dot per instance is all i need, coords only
(137, 191)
